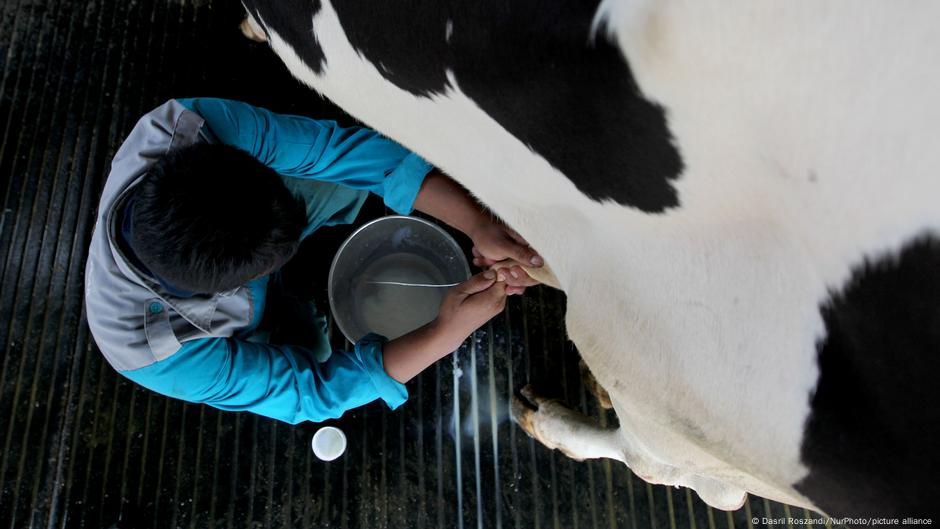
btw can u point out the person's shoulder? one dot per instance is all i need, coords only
(168, 111)
(116, 310)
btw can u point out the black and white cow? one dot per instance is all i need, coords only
(741, 200)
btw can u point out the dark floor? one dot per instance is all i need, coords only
(82, 447)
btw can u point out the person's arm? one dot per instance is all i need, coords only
(301, 147)
(493, 241)
(285, 382)
(279, 381)
(464, 309)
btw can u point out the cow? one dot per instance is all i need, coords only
(741, 201)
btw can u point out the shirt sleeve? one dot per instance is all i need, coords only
(301, 147)
(278, 381)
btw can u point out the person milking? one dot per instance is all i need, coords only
(206, 201)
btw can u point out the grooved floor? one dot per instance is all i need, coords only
(83, 447)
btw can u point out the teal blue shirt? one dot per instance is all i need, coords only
(333, 169)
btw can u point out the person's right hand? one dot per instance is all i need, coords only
(465, 308)
(469, 305)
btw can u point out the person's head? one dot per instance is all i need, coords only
(207, 218)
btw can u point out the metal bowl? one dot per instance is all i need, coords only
(392, 249)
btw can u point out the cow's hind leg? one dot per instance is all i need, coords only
(594, 388)
(559, 427)
(580, 437)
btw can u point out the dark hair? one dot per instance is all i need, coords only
(207, 218)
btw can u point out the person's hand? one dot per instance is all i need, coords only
(467, 306)
(464, 309)
(495, 242)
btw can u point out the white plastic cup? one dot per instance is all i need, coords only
(328, 443)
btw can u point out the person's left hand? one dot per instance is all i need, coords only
(494, 242)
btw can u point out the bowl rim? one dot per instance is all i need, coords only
(352, 236)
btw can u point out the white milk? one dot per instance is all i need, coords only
(394, 310)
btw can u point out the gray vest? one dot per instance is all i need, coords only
(134, 321)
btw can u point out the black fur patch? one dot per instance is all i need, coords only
(293, 21)
(872, 442)
(531, 66)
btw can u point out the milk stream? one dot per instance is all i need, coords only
(412, 284)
